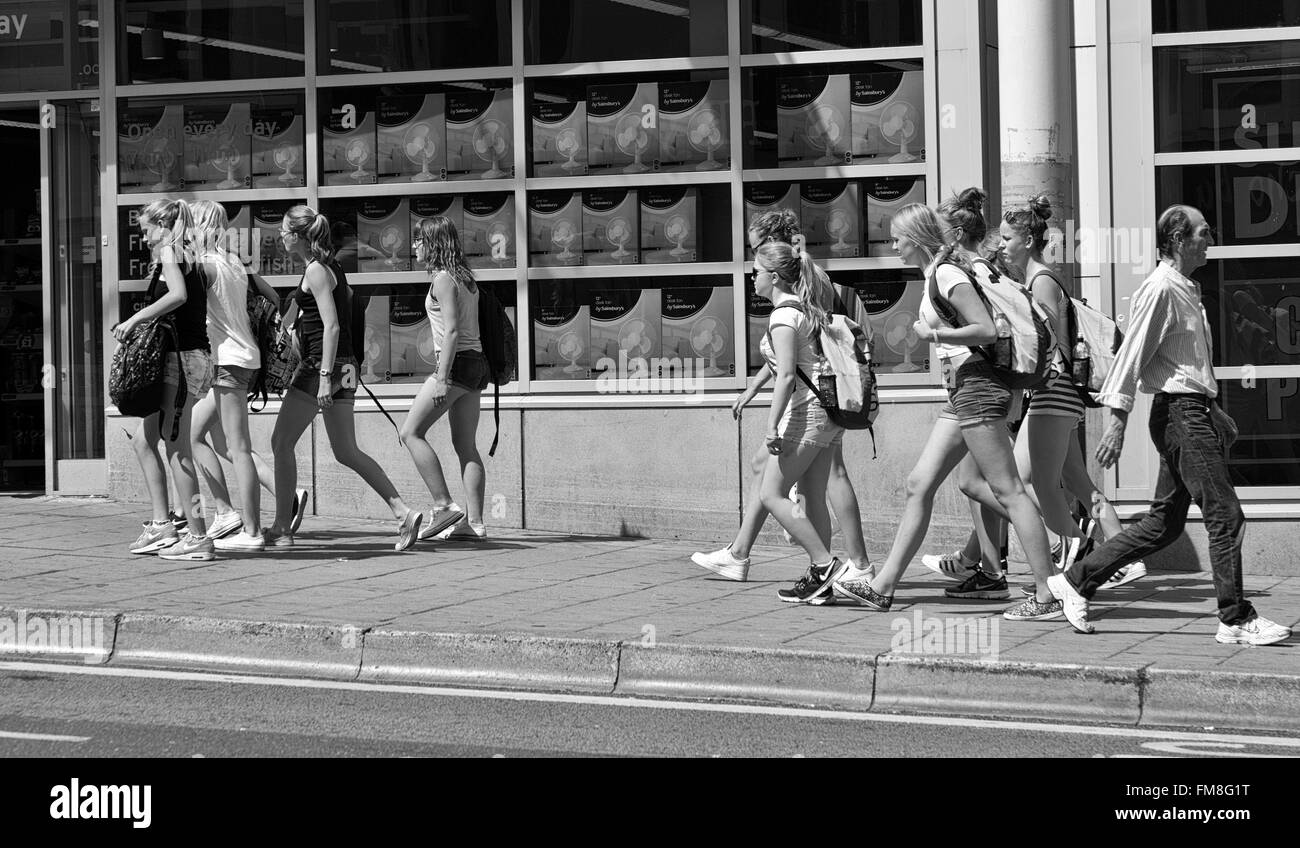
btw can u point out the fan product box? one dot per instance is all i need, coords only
(376, 345)
(150, 148)
(554, 228)
(411, 139)
(885, 196)
(410, 337)
(272, 258)
(383, 234)
(669, 224)
(488, 237)
(757, 312)
(218, 146)
(480, 135)
(693, 133)
(768, 197)
(277, 146)
(239, 236)
(697, 325)
(561, 336)
(559, 138)
(448, 206)
(623, 127)
(813, 120)
(348, 146)
(831, 217)
(610, 234)
(888, 116)
(625, 325)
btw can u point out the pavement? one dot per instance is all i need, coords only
(624, 616)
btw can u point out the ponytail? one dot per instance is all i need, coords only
(803, 277)
(314, 228)
(175, 217)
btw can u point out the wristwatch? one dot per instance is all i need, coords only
(325, 373)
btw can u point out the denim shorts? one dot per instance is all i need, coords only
(234, 377)
(198, 372)
(975, 394)
(469, 370)
(307, 379)
(808, 424)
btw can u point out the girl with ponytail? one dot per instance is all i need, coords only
(326, 380)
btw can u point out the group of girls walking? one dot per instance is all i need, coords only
(198, 284)
(1016, 476)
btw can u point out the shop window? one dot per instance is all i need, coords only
(1254, 311)
(1267, 450)
(49, 45)
(780, 26)
(1201, 15)
(563, 31)
(1247, 204)
(399, 35)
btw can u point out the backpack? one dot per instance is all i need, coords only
(277, 369)
(501, 349)
(1024, 355)
(1100, 338)
(135, 382)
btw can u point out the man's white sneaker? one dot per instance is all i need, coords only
(439, 520)
(223, 524)
(954, 565)
(465, 531)
(241, 542)
(723, 564)
(1074, 605)
(1258, 631)
(1127, 574)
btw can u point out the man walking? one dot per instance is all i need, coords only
(1167, 352)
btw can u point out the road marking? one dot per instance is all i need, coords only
(647, 703)
(41, 737)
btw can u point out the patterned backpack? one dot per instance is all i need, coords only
(135, 383)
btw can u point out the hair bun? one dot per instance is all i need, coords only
(972, 199)
(1041, 206)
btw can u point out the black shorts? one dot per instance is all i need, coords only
(470, 371)
(344, 380)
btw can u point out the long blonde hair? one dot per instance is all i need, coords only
(802, 277)
(175, 217)
(310, 225)
(443, 252)
(921, 225)
(209, 231)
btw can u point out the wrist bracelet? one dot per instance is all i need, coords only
(325, 373)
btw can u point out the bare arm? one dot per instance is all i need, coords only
(785, 346)
(264, 288)
(756, 382)
(320, 284)
(448, 297)
(173, 299)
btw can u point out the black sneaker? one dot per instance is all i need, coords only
(1078, 549)
(814, 583)
(981, 585)
(179, 522)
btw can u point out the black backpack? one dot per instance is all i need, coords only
(501, 349)
(135, 383)
(264, 319)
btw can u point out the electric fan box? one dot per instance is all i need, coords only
(693, 132)
(409, 338)
(411, 131)
(376, 348)
(885, 196)
(663, 237)
(768, 197)
(831, 218)
(610, 234)
(150, 148)
(218, 146)
(425, 206)
(337, 139)
(553, 214)
(561, 335)
(813, 120)
(278, 160)
(697, 325)
(480, 130)
(757, 312)
(488, 237)
(383, 234)
(239, 232)
(272, 258)
(625, 320)
(555, 126)
(623, 127)
(872, 96)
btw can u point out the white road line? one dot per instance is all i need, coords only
(41, 737)
(646, 703)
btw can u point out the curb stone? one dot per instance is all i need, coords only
(91, 644)
(1222, 699)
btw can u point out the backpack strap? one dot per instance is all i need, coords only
(1073, 318)
(363, 385)
(182, 389)
(496, 415)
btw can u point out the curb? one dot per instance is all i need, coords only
(1222, 699)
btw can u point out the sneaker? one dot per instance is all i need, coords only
(465, 531)
(180, 522)
(723, 564)
(224, 524)
(1029, 590)
(981, 585)
(953, 565)
(1258, 631)
(299, 510)
(408, 530)
(190, 547)
(243, 542)
(1127, 574)
(852, 574)
(1080, 547)
(1032, 610)
(861, 591)
(277, 538)
(154, 537)
(440, 520)
(1057, 549)
(814, 583)
(1074, 605)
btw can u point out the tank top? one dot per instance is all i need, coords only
(311, 329)
(228, 328)
(191, 318)
(466, 320)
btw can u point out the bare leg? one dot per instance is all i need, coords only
(782, 472)
(414, 434)
(145, 445)
(1040, 457)
(1080, 486)
(844, 500)
(341, 429)
(233, 406)
(755, 512)
(208, 421)
(296, 413)
(464, 432)
(180, 455)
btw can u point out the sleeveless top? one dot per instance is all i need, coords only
(805, 350)
(466, 320)
(191, 318)
(311, 329)
(228, 329)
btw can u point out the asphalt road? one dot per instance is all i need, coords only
(71, 711)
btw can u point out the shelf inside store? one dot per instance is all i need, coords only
(380, 278)
(411, 189)
(681, 269)
(237, 195)
(621, 180)
(626, 66)
(836, 172)
(855, 263)
(26, 287)
(831, 56)
(19, 242)
(20, 396)
(22, 463)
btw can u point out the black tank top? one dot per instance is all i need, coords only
(311, 329)
(192, 316)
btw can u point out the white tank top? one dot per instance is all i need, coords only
(466, 320)
(229, 333)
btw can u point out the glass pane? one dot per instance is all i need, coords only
(561, 31)
(1254, 310)
(49, 45)
(1245, 204)
(781, 26)
(1267, 450)
(399, 35)
(1227, 97)
(1201, 15)
(202, 40)
(77, 278)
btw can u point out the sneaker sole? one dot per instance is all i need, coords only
(1051, 616)
(196, 556)
(982, 595)
(740, 575)
(406, 542)
(154, 547)
(301, 502)
(247, 549)
(224, 532)
(1128, 578)
(448, 521)
(1233, 640)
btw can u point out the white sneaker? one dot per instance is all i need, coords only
(244, 542)
(438, 520)
(953, 565)
(1258, 631)
(465, 531)
(794, 498)
(223, 524)
(1127, 574)
(723, 564)
(1074, 605)
(852, 573)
